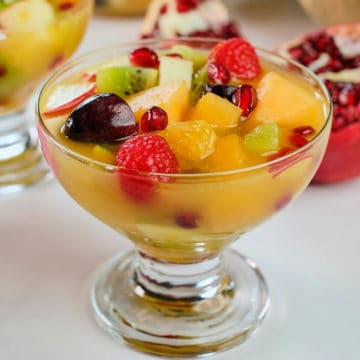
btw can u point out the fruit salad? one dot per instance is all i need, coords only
(185, 146)
(35, 36)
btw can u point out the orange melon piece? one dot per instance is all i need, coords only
(171, 97)
(289, 103)
(228, 154)
(216, 111)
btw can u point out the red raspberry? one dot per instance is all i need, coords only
(140, 155)
(238, 56)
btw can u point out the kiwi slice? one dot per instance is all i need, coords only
(199, 79)
(125, 80)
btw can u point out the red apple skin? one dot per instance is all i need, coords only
(70, 105)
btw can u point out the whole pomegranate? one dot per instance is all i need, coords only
(334, 55)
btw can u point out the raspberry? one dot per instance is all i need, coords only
(140, 155)
(238, 56)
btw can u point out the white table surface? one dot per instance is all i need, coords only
(309, 253)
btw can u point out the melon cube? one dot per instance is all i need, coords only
(172, 97)
(217, 111)
(175, 70)
(228, 154)
(289, 103)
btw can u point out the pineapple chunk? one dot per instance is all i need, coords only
(191, 141)
(228, 154)
(289, 103)
(173, 98)
(216, 111)
(175, 70)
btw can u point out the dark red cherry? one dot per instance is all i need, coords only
(101, 118)
(225, 91)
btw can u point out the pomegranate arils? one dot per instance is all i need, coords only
(154, 119)
(245, 98)
(346, 99)
(186, 5)
(298, 140)
(144, 57)
(304, 130)
(218, 73)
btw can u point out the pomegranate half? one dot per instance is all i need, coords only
(334, 55)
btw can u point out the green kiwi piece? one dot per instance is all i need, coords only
(125, 80)
(199, 79)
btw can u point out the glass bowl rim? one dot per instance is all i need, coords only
(116, 168)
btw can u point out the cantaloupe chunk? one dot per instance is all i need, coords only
(289, 103)
(217, 111)
(172, 97)
(175, 70)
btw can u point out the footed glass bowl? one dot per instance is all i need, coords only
(35, 37)
(182, 291)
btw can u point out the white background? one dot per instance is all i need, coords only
(309, 253)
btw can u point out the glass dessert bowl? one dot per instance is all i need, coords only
(182, 291)
(35, 37)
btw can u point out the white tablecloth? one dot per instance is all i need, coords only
(309, 253)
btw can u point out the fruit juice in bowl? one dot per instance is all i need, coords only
(183, 145)
(35, 37)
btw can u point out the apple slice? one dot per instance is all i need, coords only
(66, 97)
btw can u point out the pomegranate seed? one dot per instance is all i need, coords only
(66, 6)
(304, 130)
(245, 98)
(163, 9)
(218, 73)
(186, 5)
(154, 119)
(187, 220)
(175, 55)
(347, 95)
(144, 57)
(298, 140)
